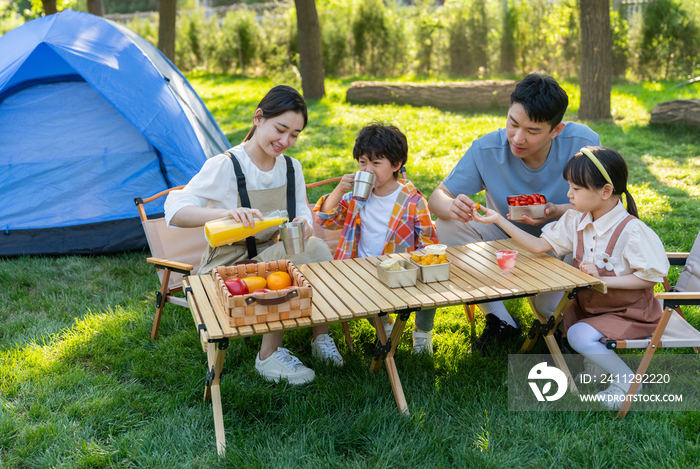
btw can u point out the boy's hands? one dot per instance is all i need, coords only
(346, 183)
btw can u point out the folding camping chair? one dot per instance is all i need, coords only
(673, 330)
(178, 251)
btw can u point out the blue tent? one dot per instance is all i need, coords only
(91, 116)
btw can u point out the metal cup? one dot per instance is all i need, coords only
(292, 235)
(364, 182)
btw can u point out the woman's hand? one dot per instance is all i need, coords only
(589, 268)
(308, 229)
(243, 215)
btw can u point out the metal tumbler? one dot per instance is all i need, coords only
(292, 235)
(364, 182)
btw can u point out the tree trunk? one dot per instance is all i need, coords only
(596, 59)
(310, 52)
(49, 7)
(507, 40)
(96, 7)
(167, 10)
(485, 94)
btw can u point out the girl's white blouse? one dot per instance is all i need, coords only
(215, 185)
(638, 251)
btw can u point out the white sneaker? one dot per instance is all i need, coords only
(283, 365)
(422, 342)
(591, 369)
(323, 347)
(614, 396)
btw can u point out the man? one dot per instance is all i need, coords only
(526, 157)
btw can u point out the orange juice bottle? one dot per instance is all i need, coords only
(227, 230)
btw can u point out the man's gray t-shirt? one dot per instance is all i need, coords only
(490, 165)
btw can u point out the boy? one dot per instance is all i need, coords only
(394, 218)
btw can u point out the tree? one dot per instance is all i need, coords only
(96, 7)
(49, 6)
(310, 52)
(167, 10)
(596, 59)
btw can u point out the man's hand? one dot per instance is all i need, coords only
(550, 213)
(461, 208)
(589, 268)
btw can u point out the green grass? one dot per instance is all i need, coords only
(82, 385)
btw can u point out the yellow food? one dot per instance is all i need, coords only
(429, 259)
(255, 283)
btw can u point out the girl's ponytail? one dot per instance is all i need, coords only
(631, 206)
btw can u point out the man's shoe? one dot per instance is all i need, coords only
(422, 342)
(323, 347)
(283, 365)
(496, 331)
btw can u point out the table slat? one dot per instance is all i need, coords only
(205, 309)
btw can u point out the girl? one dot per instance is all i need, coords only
(245, 182)
(610, 243)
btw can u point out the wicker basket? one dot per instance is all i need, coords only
(256, 308)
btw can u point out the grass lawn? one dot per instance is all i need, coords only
(82, 385)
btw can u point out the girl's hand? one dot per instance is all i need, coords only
(589, 268)
(243, 215)
(490, 216)
(346, 183)
(308, 229)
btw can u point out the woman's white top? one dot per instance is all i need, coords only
(638, 250)
(215, 186)
(374, 219)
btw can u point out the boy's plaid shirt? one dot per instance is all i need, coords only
(410, 226)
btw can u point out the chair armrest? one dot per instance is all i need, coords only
(677, 258)
(178, 267)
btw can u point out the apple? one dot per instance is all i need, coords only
(236, 286)
(262, 290)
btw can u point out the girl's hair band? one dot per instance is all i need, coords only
(598, 164)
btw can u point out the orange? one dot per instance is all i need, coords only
(255, 283)
(279, 280)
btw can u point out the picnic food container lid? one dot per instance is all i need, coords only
(436, 249)
(406, 277)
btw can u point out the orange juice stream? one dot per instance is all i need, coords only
(227, 230)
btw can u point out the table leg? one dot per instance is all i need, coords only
(216, 354)
(549, 339)
(391, 370)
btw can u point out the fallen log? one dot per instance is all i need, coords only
(459, 95)
(681, 111)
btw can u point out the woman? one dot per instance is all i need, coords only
(245, 182)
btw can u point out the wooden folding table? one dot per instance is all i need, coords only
(348, 290)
